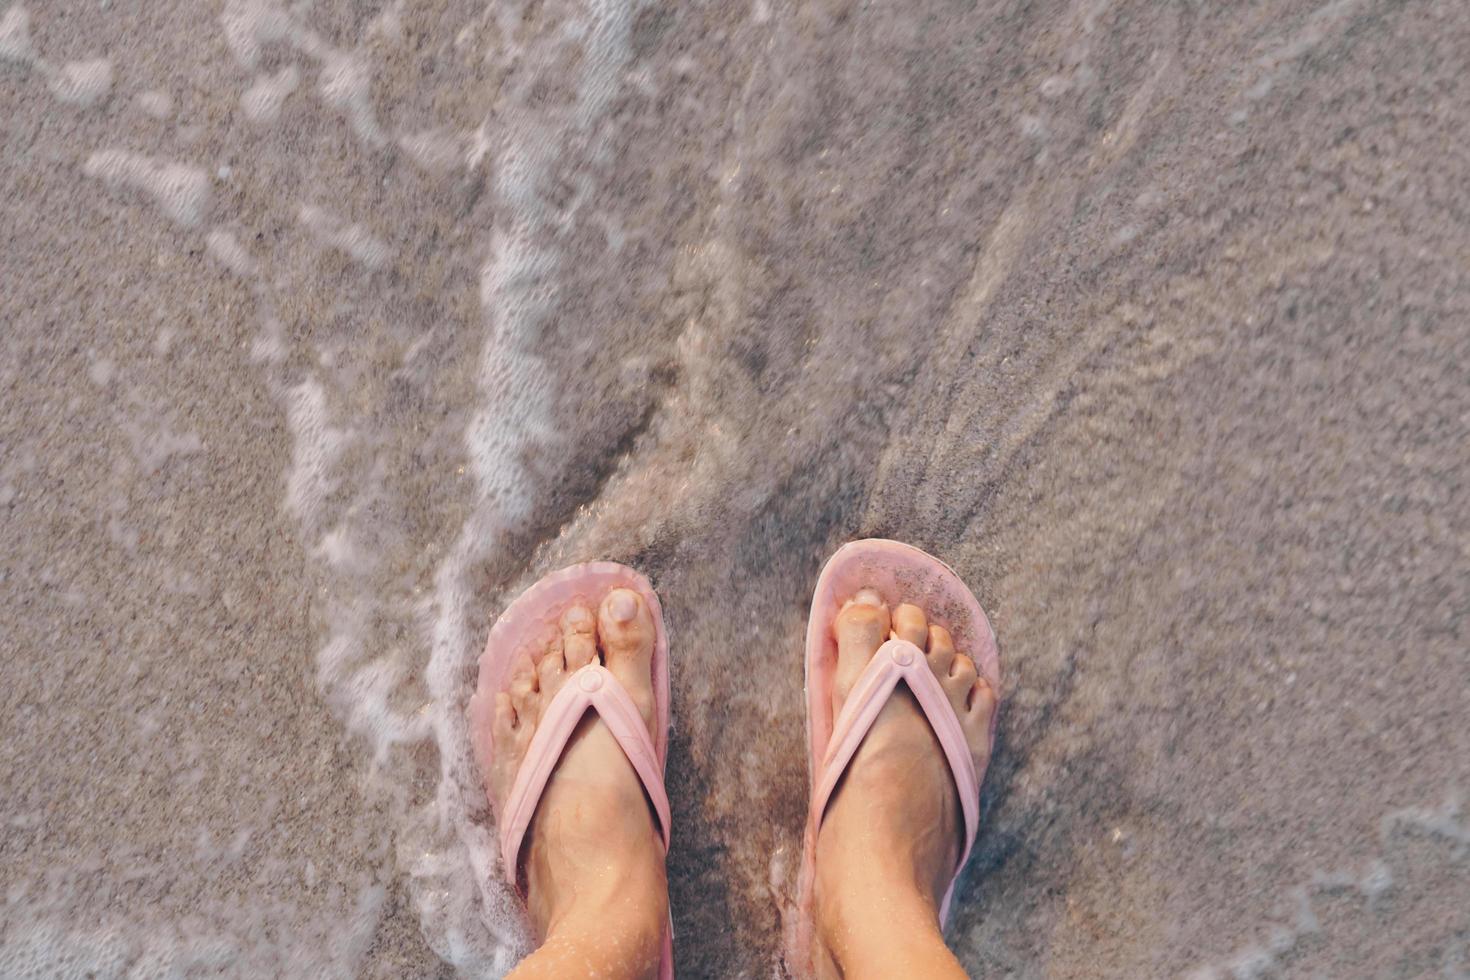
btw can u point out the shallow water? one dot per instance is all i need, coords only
(330, 326)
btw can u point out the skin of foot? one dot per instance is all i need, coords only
(592, 865)
(892, 832)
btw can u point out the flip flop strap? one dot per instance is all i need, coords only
(899, 660)
(595, 687)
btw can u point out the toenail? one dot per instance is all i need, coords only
(868, 597)
(903, 655)
(590, 680)
(576, 617)
(623, 606)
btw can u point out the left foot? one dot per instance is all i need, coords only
(593, 862)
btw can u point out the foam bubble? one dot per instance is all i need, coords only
(155, 442)
(389, 23)
(82, 83)
(362, 694)
(354, 239)
(346, 84)
(156, 103)
(179, 581)
(316, 448)
(261, 938)
(435, 150)
(517, 292)
(15, 36)
(269, 345)
(262, 102)
(479, 145)
(249, 25)
(341, 552)
(1371, 883)
(1275, 64)
(223, 248)
(336, 493)
(180, 191)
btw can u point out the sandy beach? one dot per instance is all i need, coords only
(327, 327)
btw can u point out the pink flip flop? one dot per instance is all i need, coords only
(900, 573)
(534, 618)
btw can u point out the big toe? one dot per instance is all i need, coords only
(860, 628)
(627, 633)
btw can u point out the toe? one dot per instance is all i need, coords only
(505, 716)
(961, 678)
(523, 692)
(627, 632)
(578, 637)
(551, 667)
(981, 704)
(910, 623)
(861, 627)
(863, 622)
(509, 735)
(978, 721)
(941, 651)
(625, 626)
(581, 650)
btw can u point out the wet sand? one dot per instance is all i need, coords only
(328, 328)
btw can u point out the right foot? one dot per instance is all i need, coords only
(593, 863)
(893, 829)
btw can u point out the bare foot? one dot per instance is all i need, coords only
(592, 864)
(893, 830)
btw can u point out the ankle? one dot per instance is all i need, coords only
(625, 908)
(602, 942)
(876, 928)
(581, 871)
